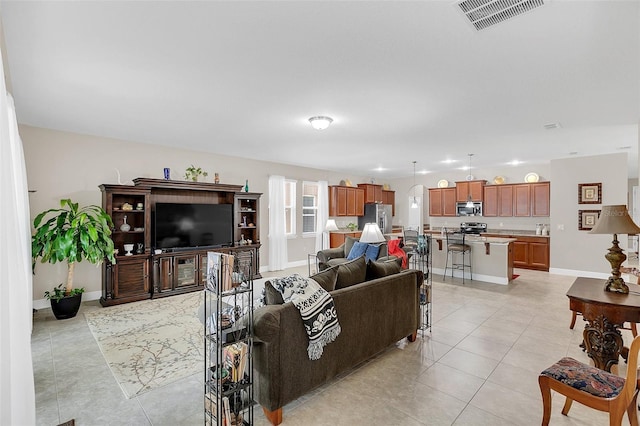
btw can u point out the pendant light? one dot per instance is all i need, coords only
(414, 203)
(469, 177)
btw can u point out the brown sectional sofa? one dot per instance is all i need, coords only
(373, 315)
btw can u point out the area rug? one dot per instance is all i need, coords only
(151, 343)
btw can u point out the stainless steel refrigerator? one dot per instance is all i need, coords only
(377, 213)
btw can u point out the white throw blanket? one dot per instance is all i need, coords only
(316, 309)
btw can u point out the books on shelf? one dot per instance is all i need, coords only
(219, 271)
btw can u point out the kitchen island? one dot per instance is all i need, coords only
(491, 258)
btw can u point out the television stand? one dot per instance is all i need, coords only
(178, 270)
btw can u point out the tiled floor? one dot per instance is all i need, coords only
(478, 366)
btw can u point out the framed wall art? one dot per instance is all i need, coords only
(589, 193)
(587, 219)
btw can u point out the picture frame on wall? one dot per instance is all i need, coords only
(587, 219)
(589, 193)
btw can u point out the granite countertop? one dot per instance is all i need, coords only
(478, 239)
(510, 232)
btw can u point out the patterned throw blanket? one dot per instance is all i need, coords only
(316, 309)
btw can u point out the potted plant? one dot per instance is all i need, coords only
(193, 173)
(71, 234)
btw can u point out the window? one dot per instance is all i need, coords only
(290, 207)
(309, 207)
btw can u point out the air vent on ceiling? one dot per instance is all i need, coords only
(485, 13)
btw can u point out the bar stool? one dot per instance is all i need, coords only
(456, 246)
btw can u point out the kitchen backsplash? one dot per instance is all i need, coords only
(493, 223)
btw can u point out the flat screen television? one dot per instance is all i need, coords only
(192, 225)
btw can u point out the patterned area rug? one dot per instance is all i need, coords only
(151, 343)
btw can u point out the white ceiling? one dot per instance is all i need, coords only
(403, 81)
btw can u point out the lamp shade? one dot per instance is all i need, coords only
(371, 234)
(615, 220)
(331, 225)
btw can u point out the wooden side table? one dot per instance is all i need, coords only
(605, 313)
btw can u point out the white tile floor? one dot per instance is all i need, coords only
(478, 366)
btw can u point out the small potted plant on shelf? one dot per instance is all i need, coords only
(71, 234)
(193, 173)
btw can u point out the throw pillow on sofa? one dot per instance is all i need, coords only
(352, 272)
(271, 295)
(358, 249)
(382, 269)
(370, 251)
(327, 278)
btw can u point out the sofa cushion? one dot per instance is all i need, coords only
(351, 272)
(372, 252)
(382, 269)
(271, 295)
(348, 243)
(327, 278)
(358, 249)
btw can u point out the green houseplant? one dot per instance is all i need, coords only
(71, 234)
(193, 173)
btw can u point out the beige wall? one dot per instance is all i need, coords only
(62, 165)
(577, 252)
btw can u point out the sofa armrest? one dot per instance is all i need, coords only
(266, 322)
(332, 253)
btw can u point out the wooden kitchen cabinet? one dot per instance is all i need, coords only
(372, 193)
(442, 202)
(522, 199)
(540, 196)
(336, 239)
(389, 197)
(346, 201)
(531, 253)
(498, 201)
(470, 187)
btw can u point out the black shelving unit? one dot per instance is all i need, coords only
(228, 382)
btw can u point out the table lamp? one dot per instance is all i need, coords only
(615, 220)
(372, 234)
(331, 225)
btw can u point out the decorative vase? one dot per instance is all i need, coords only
(125, 227)
(67, 307)
(246, 186)
(216, 178)
(128, 248)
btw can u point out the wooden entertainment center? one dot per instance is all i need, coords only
(146, 273)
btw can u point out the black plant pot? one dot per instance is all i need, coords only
(67, 307)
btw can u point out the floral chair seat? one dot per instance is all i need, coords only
(585, 378)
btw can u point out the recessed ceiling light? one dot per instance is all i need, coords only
(448, 161)
(515, 162)
(423, 172)
(379, 169)
(551, 126)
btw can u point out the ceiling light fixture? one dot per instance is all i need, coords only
(469, 177)
(320, 122)
(414, 203)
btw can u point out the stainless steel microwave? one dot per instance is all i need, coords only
(463, 210)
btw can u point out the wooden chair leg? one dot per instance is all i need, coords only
(567, 406)
(573, 320)
(546, 400)
(634, 328)
(632, 410)
(413, 336)
(275, 417)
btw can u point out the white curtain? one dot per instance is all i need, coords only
(322, 214)
(277, 231)
(17, 395)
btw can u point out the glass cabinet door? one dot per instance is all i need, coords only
(185, 271)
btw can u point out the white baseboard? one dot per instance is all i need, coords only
(575, 273)
(476, 277)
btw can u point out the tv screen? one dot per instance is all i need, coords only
(193, 225)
